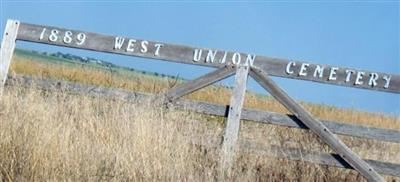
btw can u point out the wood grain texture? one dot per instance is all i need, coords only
(201, 82)
(291, 121)
(184, 54)
(231, 132)
(7, 49)
(212, 109)
(247, 147)
(316, 126)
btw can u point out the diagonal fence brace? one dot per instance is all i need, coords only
(315, 126)
(201, 82)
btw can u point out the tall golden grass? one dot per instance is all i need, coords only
(55, 136)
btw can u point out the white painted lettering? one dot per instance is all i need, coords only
(236, 58)
(211, 56)
(387, 79)
(223, 60)
(119, 41)
(359, 77)
(53, 35)
(81, 37)
(42, 34)
(197, 55)
(372, 79)
(131, 45)
(303, 69)
(158, 46)
(144, 45)
(250, 59)
(290, 64)
(67, 37)
(348, 75)
(332, 74)
(319, 70)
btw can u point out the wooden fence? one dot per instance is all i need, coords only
(229, 63)
(248, 115)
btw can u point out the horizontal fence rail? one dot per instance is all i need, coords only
(321, 73)
(247, 114)
(291, 121)
(316, 158)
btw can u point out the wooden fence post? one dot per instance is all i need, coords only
(232, 125)
(7, 49)
(315, 126)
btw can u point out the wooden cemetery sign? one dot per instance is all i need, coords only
(202, 56)
(227, 64)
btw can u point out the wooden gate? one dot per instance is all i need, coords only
(228, 63)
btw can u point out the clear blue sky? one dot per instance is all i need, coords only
(356, 35)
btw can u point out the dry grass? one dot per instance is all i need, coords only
(54, 136)
(48, 136)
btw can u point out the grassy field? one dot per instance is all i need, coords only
(53, 136)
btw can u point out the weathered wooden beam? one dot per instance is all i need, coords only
(201, 82)
(251, 148)
(315, 125)
(209, 57)
(7, 49)
(267, 117)
(231, 132)
(315, 157)
(253, 115)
